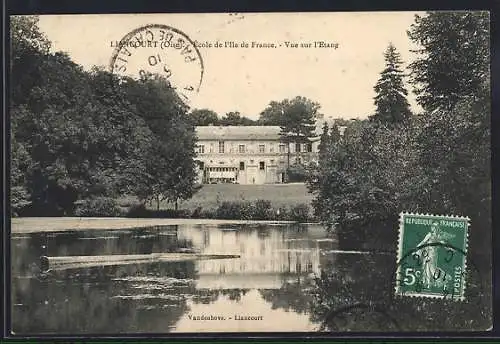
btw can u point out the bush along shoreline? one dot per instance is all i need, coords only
(225, 210)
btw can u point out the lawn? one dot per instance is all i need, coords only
(280, 195)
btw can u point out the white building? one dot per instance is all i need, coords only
(248, 154)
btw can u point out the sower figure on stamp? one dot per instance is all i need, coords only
(430, 260)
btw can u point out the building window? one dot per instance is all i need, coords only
(202, 165)
(251, 161)
(262, 165)
(282, 148)
(297, 147)
(272, 161)
(309, 147)
(221, 147)
(241, 148)
(262, 148)
(201, 149)
(242, 165)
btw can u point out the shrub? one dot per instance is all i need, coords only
(262, 210)
(208, 214)
(300, 213)
(99, 206)
(197, 213)
(141, 211)
(297, 173)
(137, 210)
(235, 210)
(200, 213)
(281, 214)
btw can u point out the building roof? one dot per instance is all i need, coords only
(263, 132)
(238, 132)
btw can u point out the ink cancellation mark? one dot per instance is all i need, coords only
(162, 50)
(432, 256)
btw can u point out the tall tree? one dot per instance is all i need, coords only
(273, 113)
(203, 117)
(324, 142)
(299, 122)
(452, 80)
(299, 118)
(28, 47)
(76, 134)
(168, 169)
(391, 104)
(334, 134)
(296, 118)
(454, 57)
(235, 118)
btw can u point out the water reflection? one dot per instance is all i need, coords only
(356, 293)
(268, 258)
(161, 297)
(293, 276)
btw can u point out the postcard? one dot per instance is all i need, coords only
(250, 173)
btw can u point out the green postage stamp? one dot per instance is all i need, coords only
(432, 254)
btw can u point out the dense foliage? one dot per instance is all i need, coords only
(290, 113)
(435, 162)
(455, 55)
(77, 134)
(392, 107)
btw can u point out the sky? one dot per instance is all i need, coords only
(244, 79)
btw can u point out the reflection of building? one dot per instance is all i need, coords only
(248, 154)
(266, 257)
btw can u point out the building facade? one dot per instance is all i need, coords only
(248, 154)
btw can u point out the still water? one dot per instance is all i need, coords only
(275, 262)
(288, 278)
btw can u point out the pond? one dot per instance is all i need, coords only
(287, 278)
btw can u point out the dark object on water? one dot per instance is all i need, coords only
(72, 262)
(187, 250)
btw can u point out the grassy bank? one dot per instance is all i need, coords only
(211, 195)
(285, 202)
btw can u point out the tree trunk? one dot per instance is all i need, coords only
(297, 152)
(176, 205)
(158, 202)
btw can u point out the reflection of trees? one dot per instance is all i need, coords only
(206, 296)
(356, 293)
(293, 295)
(353, 279)
(111, 299)
(138, 241)
(234, 294)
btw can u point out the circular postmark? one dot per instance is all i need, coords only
(438, 270)
(158, 49)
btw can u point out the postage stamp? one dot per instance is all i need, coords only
(432, 256)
